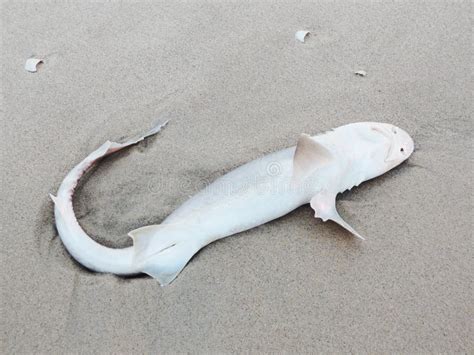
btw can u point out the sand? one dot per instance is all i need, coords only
(236, 85)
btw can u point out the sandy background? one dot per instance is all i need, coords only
(236, 85)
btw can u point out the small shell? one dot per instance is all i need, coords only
(361, 73)
(32, 63)
(301, 35)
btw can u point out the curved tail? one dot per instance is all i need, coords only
(82, 247)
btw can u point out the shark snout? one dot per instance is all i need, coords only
(405, 142)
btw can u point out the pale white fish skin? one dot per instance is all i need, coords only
(255, 193)
(83, 248)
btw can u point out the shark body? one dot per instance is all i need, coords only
(314, 172)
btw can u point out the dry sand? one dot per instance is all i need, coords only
(236, 85)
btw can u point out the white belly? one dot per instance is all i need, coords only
(246, 197)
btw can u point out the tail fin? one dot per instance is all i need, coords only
(83, 248)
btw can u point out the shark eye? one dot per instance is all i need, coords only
(402, 150)
(394, 130)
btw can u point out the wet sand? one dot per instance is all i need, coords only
(236, 85)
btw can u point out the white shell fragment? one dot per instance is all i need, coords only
(32, 63)
(301, 35)
(361, 73)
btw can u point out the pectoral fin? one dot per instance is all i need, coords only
(324, 206)
(309, 155)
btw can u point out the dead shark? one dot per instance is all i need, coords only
(314, 172)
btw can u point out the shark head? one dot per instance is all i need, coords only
(358, 151)
(389, 146)
(398, 146)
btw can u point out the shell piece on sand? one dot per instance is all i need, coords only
(32, 63)
(361, 73)
(301, 35)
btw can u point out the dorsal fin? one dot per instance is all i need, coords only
(309, 155)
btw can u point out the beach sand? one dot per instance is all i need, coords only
(236, 85)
